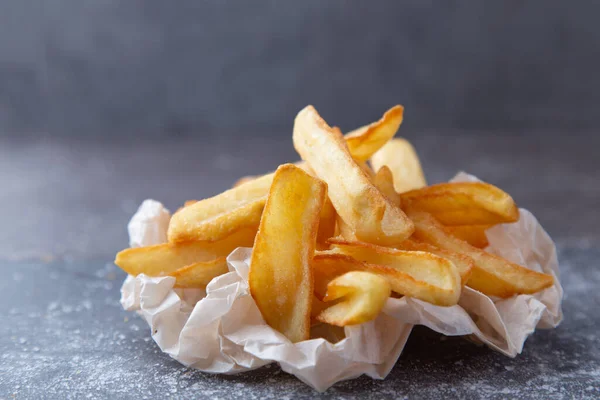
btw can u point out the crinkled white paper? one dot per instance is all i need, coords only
(220, 330)
(149, 224)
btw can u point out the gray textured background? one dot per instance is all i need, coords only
(104, 103)
(153, 67)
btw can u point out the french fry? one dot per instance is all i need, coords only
(164, 259)
(345, 231)
(328, 217)
(199, 274)
(238, 207)
(330, 264)
(462, 262)
(366, 140)
(438, 272)
(384, 181)
(464, 203)
(280, 277)
(472, 234)
(327, 223)
(360, 298)
(371, 216)
(491, 275)
(400, 156)
(366, 169)
(219, 216)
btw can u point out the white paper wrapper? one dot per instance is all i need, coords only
(149, 224)
(222, 331)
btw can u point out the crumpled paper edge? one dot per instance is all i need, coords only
(220, 330)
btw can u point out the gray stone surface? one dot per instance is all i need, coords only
(65, 204)
(80, 68)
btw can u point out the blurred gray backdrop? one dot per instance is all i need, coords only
(156, 67)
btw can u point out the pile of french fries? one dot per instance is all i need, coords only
(338, 233)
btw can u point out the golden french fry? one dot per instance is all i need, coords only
(371, 216)
(384, 181)
(462, 262)
(328, 217)
(199, 274)
(218, 216)
(326, 223)
(344, 230)
(221, 215)
(365, 141)
(491, 275)
(329, 264)
(400, 156)
(163, 259)
(439, 273)
(464, 203)
(361, 297)
(280, 278)
(472, 234)
(366, 169)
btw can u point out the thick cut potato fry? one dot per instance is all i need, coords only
(400, 156)
(330, 264)
(199, 274)
(370, 215)
(472, 234)
(360, 298)
(491, 275)
(219, 216)
(344, 230)
(365, 141)
(326, 223)
(328, 214)
(463, 263)
(163, 259)
(384, 181)
(464, 203)
(421, 266)
(280, 278)
(366, 169)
